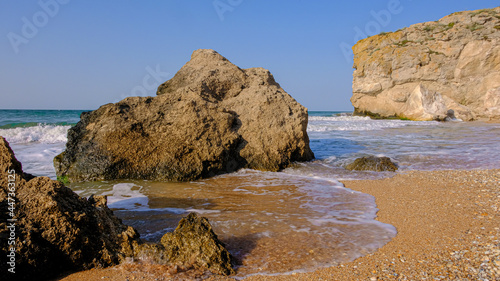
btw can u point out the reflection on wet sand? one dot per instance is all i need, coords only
(270, 222)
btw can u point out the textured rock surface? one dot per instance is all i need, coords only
(432, 70)
(193, 244)
(373, 163)
(212, 117)
(56, 230)
(194, 241)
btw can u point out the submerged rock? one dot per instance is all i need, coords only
(212, 117)
(424, 71)
(373, 163)
(55, 230)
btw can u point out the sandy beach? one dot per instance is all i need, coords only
(247, 140)
(448, 226)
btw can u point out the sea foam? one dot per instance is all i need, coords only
(357, 123)
(40, 133)
(127, 196)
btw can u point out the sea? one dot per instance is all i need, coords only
(296, 220)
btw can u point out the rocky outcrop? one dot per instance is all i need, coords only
(372, 163)
(193, 244)
(194, 240)
(53, 230)
(432, 70)
(212, 117)
(46, 229)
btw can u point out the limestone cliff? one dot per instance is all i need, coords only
(432, 70)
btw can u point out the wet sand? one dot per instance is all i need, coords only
(448, 226)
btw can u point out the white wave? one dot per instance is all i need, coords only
(127, 196)
(41, 133)
(349, 127)
(203, 211)
(357, 123)
(339, 118)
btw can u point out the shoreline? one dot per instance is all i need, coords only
(448, 225)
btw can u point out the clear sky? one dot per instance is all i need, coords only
(75, 54)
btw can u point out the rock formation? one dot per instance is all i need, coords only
(194, 240)
(193, 244)
(212, 117)
(432, 70)
(52, 230)
(373, 163)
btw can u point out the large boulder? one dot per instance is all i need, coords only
(49, 229)
(433, 70)
(212, 117)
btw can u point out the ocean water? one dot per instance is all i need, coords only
(275, 223)
(37, 136)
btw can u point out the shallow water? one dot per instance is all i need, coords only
(295, 220)
(426, 145)
(271, 222)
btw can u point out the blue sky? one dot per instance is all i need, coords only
(74, 54)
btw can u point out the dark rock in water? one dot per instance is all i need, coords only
(194, 241)
(373, 163)
(55, 229)
(212, 117)
(192, 244)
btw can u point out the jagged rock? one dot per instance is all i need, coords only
(55, 229)
(373, 163)
(193, 243)
(424, 71)
(212, 117)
